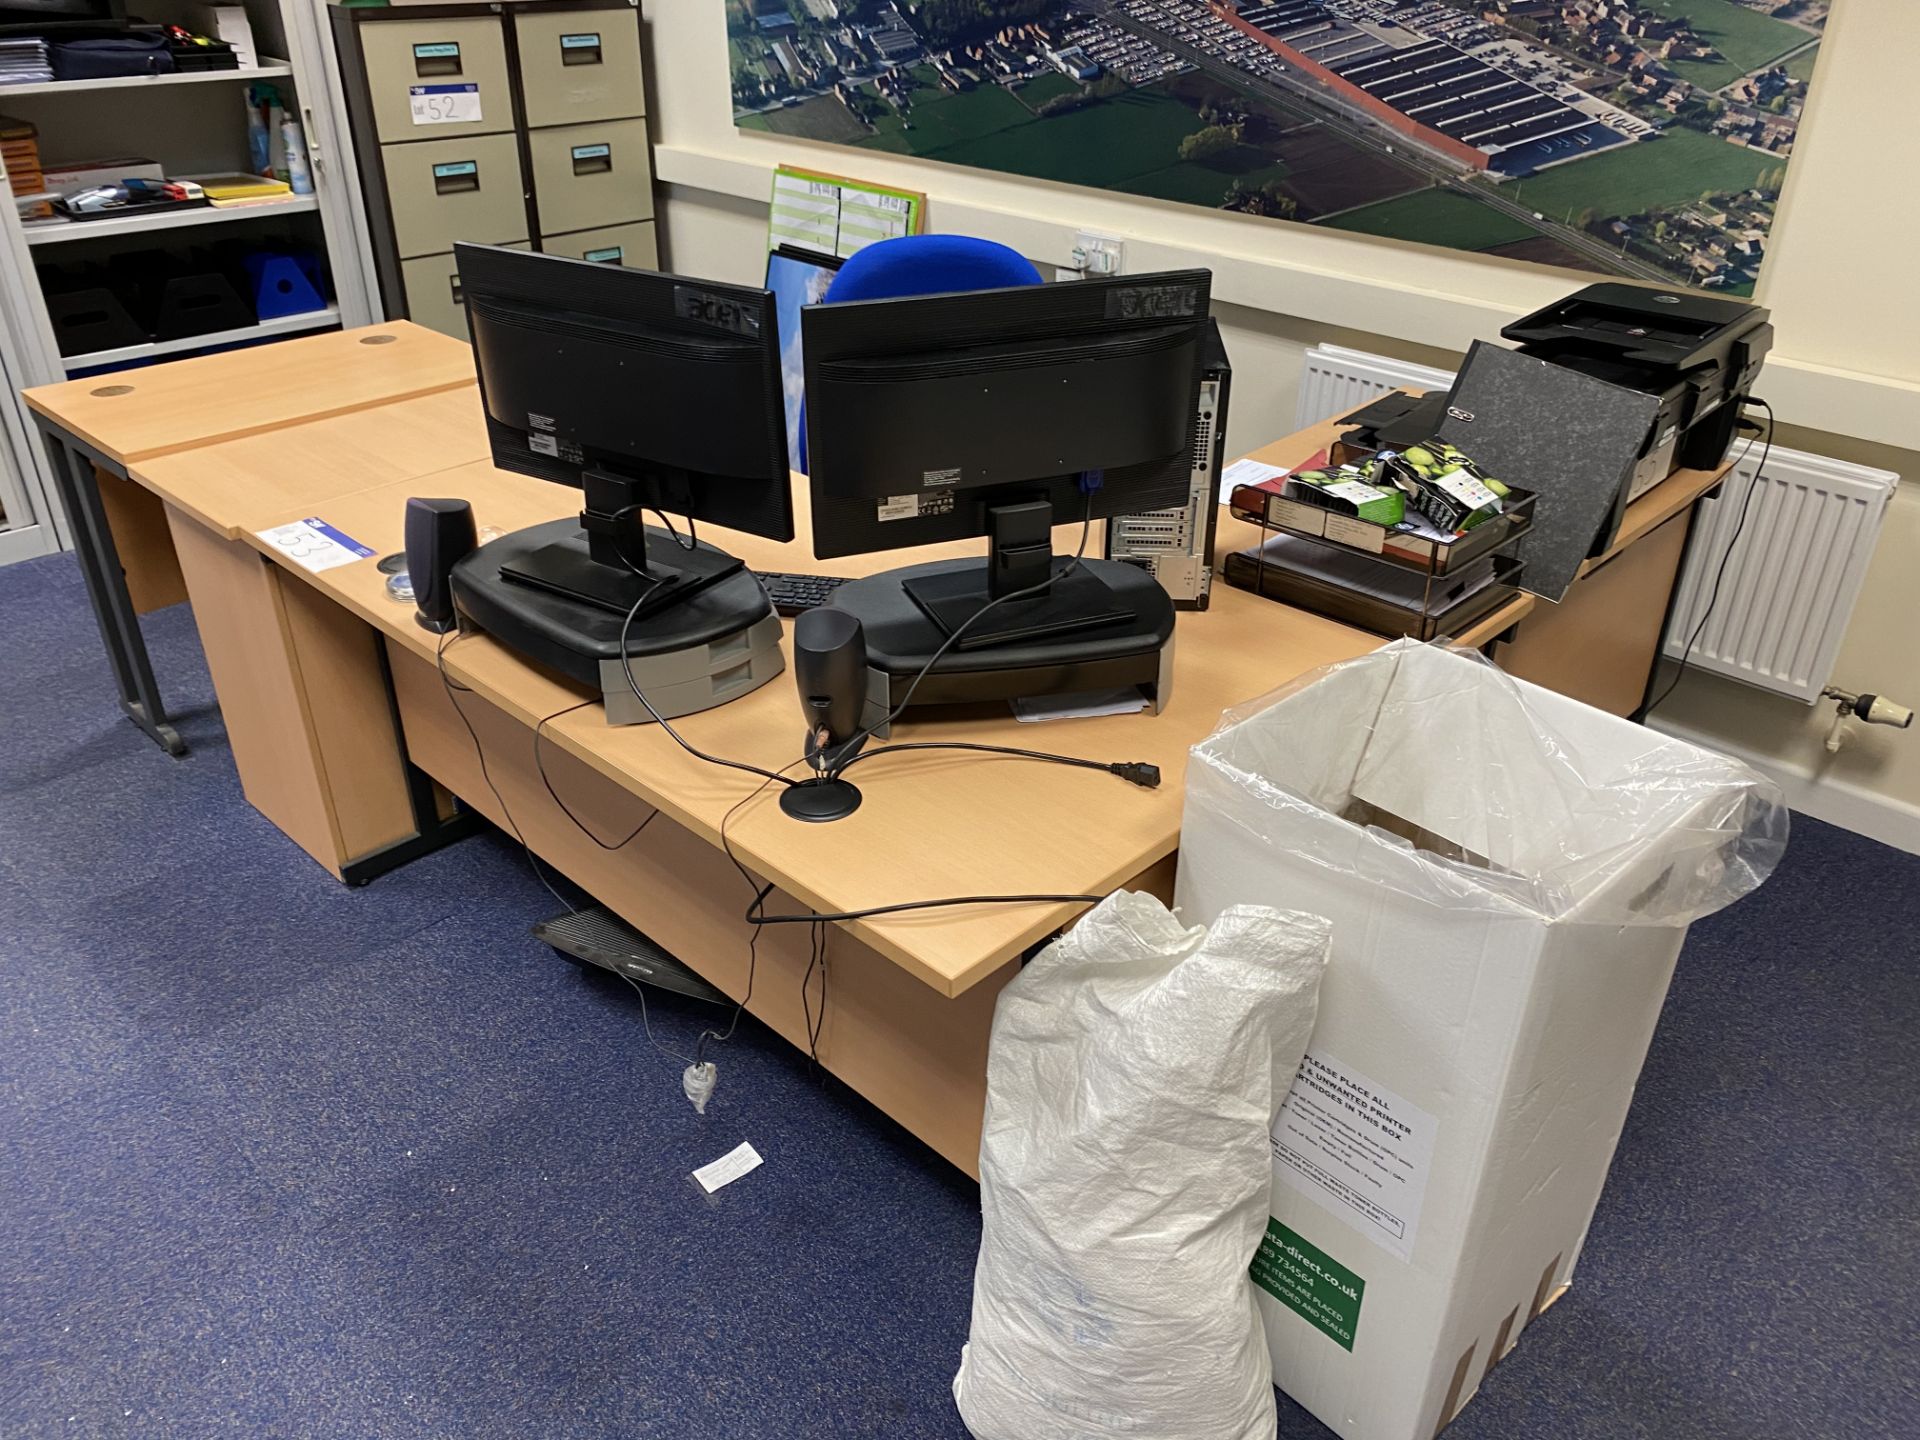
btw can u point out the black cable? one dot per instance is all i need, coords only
(692, 542)
(753, 968)
(816, 959)
(626, 668)
(906, 699)
(1733, 541)
(1138, 771)
(578, 824)
(758, 916)
(446, 680)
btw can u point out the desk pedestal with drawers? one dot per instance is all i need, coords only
(520, 124)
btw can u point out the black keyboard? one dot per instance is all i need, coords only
(792, 594)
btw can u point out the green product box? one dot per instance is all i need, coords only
(1348, 491)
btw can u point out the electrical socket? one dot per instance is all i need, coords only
(1096, 254)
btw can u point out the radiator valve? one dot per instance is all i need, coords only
(1874, 709)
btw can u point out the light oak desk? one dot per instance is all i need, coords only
(95, 428)
(333, 704)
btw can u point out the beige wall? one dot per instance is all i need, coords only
(1844, 376)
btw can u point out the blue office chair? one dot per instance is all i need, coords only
(924, 265)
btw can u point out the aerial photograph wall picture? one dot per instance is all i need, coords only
(1644, 138)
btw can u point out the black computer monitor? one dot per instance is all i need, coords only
(1001, 413)
(649, 392)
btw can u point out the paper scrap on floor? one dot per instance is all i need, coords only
(738, 1161)
(1080, 705)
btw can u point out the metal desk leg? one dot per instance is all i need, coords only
(430, 831)
(106, 583)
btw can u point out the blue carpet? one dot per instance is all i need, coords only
(279, 1158)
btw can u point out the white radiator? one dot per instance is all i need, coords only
(1338, 379)
(1789, 588)
(1791, 583)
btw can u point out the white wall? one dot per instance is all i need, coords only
(1844, 376)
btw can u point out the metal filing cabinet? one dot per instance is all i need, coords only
(433, 292)
(458, 66)
(575, 67)
(518, 123)
(630, 245)
(440, 191)
(587, 177)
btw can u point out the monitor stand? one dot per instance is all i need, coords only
(1113, 633)
(614, 559)
(715, 639)
(1020, 557)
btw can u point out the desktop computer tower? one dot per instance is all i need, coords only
(1175, 546)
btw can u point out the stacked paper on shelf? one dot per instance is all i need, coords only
(232, 191)
(23, 61)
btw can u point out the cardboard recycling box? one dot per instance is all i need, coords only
(1510, 875)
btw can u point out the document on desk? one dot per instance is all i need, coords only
(314, 545)
(1249, 472)
(1079, 706)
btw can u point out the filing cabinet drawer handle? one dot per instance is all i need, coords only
(592, 159)
(456, 177)
(441, 58)
(580, 50)
(453, 284)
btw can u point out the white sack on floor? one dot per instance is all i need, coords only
(1135, 1071)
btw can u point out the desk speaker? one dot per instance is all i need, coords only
(439, 534)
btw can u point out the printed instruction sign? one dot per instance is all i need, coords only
(1309, 1282)
(314, 545)
(443, 104)
(1357, 1150)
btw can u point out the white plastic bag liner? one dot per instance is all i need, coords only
(1135, 1071)
(1428, 771)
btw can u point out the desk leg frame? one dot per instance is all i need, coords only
(1647, 695)
(106, 582)
(432, 831)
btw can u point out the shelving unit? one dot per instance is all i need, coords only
(192, 123)
(158, 349)
(268, 71)
(60, 232)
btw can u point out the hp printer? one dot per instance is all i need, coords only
(1697, 354)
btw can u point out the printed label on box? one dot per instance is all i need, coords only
(314, 545)
(443, 104)
(1356, 1149)
(1309, 1282)
(1361, 534)
(1297, 515)
(1467, 490)
(1356, 492)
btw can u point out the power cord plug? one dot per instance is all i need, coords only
(1146, 776)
